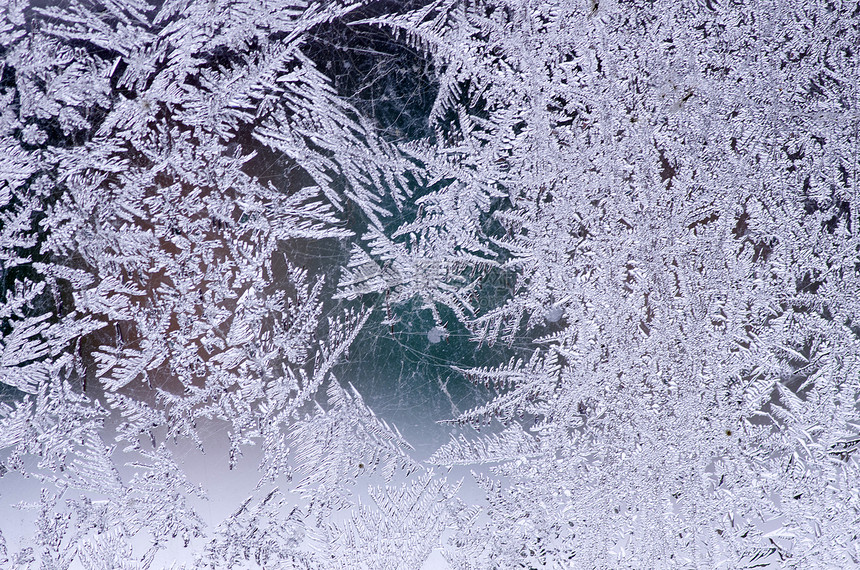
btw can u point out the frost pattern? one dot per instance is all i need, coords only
(647, 211)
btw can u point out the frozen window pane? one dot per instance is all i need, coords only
(462, 285)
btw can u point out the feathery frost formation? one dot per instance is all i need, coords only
(648, 210)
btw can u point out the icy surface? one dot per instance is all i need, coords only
(442, 285)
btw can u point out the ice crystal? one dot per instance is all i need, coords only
(249, 250)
